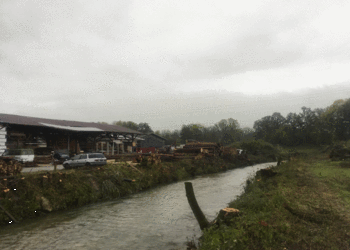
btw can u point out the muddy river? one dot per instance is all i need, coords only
(160, 218)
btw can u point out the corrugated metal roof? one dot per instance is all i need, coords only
(63, 124)
(86, 129)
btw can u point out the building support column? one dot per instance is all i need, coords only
(68, 144)
(76, 147)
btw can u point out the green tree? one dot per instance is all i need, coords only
(128, 124)
(191, 131)
(266, 127)
(229, 130)
(247, 134)
(144, 128)
(337, 118)
(171, 136)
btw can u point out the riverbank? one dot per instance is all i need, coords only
(36, 194)
(301, 204)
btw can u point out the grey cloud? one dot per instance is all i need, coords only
(84, 60)
(208, 107)
(170, 112)
(251, 53)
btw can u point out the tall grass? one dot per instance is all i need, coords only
(304, 206)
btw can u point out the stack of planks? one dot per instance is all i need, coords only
(209, 148)
(42, 159)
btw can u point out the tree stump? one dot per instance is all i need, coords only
(226, 214)
(267, 172)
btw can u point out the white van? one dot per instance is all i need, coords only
(21, 155)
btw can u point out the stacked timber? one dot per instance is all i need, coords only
(175, 157)
(149, 158)
(208, 148)
(154, 159)
(42, 159)
(229, 151)
(9, 168)
(3, 136)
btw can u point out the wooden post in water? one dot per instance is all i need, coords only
(202, 221)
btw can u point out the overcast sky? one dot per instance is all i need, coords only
(170, 63)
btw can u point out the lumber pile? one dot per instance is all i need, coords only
(149, 158)
(42, 159)
(209, 148)
(125, 157)
(229, 151)
(9, 168)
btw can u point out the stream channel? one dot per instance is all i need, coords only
(159, 218)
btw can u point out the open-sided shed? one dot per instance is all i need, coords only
(74, 136)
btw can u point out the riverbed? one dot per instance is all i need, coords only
(160, 218)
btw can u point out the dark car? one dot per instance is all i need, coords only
(61, 157)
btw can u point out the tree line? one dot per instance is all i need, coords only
(317, 126)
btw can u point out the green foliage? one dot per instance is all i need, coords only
(257, 147)
(144, 127)
(294, 209)
(191, 131)
(225, 131)
(128, 124)
(317, 127)
(170, 136)
(73, 188)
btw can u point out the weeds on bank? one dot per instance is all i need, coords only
(295, 209)
(25, 195)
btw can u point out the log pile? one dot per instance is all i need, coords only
(125, 157)
(154, 159)
(42, 159)
(192, 150)
(210, 148)
(229, 151)
(9, 168)
(150, 158)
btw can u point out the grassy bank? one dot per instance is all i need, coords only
(35, 194)
(305, 205)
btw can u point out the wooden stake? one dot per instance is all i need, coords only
(202, 221)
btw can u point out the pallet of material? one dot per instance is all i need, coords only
(42, 159)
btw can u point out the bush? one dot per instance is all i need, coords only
(256, 147)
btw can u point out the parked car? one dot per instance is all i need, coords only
(61, 157)
(88, 159)
(20, 155)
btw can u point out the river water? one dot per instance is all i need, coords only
(160, 218)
